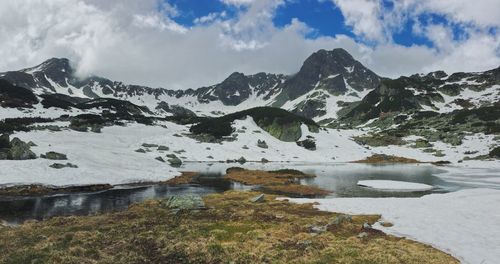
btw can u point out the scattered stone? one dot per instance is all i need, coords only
(162, 148)
(241, 160)
(341, 219)
(52, 155)
(244, 147)
(362, 235)
(366, 226)
(210, 157)
(32, 144)
(308, 144)
(317, 229)
(147, 145)
(140, 150)
(385, 224)
(441, 162)
(60, 166)
(159, 159)
(183, 202)
(258, 199)
(262, 144)
(264, 160)
(177, 135)
(174, 161)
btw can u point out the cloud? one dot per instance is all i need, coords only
(140, 41)
(365, 18)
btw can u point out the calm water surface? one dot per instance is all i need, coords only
(341, 179)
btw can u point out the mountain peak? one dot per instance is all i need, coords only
(54, 67)
(336, 63)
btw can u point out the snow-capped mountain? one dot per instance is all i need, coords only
(330, 85)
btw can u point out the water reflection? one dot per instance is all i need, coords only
(341, 179)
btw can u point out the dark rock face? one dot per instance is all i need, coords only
(238, 87)
(332, 65)
(310, 109)
(15, 96)
(176, 110)
(390, 96)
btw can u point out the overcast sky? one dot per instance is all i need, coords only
(190, 43)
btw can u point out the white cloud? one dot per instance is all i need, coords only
(237, 2)
(364, 16)
(140, 42)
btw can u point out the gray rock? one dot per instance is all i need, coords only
(262, 144)
(61, 166)
(341, 219)
(175, 161)
(366, 226)
(159, 159)
(20, 150)
(317, 229)
(162, 148)
(183, 202)
(362, 235)
(264, 160)
(258, 199)
(140, 150)
(52, 155)
(241, 160)
(147, 145)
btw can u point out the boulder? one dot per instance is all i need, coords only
(258, 199)
(262, 144)
(183, 202)
(147, 145)
(174, 160)
(52, 155)
(20, 150)
(60, 166)
(308, 144)
(162, 148)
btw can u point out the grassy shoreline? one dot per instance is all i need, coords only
(230, 228)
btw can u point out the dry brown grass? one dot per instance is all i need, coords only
(378, 159)
(296, 190)
(284, 182)
(186, 177)
(36, 189)
(231, 230)
(260, 177)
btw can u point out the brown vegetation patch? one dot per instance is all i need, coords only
(186, 177)
(296, 190)
(37, 189)
(284, 182)
(382, 158)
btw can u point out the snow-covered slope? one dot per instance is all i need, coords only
(463, 223)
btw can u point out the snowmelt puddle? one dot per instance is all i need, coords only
(340, 178)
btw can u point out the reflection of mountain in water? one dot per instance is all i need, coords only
(341, 180)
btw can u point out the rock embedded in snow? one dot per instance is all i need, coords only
(395, 185)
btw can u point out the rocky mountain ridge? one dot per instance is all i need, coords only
(330, 86)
